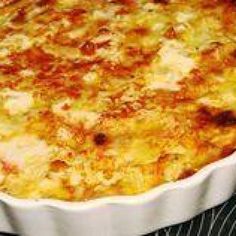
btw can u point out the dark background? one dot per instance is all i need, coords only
(219, 221)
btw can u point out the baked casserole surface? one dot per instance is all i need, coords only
(101, 98)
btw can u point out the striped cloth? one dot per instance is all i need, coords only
(219, 221)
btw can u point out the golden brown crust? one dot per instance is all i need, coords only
(113, 97)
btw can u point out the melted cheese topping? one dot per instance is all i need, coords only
(17, 102)
(173, 59)
(17, 150)
(101, 98)
(15, 42)
(74, 116)
(172, 67)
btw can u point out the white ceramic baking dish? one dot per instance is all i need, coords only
(117, 216)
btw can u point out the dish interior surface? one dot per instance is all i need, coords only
(101, 98)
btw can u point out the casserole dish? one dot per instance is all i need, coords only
(163, 206)
(107, 100)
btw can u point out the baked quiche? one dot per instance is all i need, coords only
(113, 97)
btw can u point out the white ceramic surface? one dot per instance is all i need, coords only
(122, 216)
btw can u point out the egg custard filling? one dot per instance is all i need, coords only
(113, 97)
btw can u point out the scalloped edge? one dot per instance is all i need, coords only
(202, 180)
